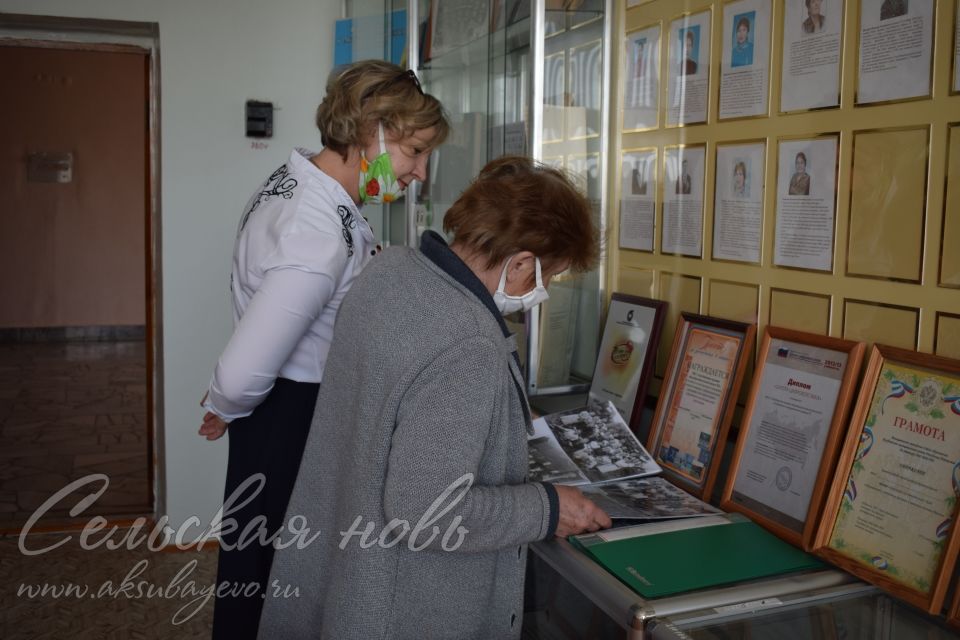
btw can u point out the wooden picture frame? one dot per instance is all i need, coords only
(628, 348)
(953, 613)
(791, 431)
(890, 517)
(717, 351)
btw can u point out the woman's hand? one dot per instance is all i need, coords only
(578, 513)
(213, 426)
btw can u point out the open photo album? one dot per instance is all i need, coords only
(593, 448)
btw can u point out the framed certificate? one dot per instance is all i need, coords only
(697, 399)
(791, 431)
(631, 337)
(890, 516)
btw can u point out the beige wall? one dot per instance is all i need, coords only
(73, 254)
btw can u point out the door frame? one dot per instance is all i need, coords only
(87, 34)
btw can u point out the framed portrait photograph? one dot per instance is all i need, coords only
(738, 201)
(745, 63)
(806, 202)
(698, 398)
(641, 79)
(890, 517)
(628, 350)
(791, 431)
(688, 69)
(683, 192)
(812, 43)
(896, 50)
(638, 198)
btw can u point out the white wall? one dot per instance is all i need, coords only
(214, 55)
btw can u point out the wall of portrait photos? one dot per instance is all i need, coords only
(793, 163)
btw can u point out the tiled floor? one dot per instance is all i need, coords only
(114, 594)
(69, 410)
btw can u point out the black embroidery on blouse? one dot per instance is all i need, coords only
(348, 222)
(278, 184)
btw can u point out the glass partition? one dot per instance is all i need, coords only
(527, 77)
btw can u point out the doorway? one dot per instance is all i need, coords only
(78, 279)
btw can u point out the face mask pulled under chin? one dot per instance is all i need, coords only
(508, 304)
(378, 183)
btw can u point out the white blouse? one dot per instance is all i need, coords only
(300, 244)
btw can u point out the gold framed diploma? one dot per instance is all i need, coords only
(791, 431)
(890, 517)
(630, 340)
(697, 399)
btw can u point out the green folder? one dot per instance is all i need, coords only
(662, 559)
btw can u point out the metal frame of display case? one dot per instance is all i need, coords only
(535, 116)
(638, 616)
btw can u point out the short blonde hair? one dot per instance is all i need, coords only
(374, 91)
(517, 204)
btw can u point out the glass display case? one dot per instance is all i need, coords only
(527, 77)
(569, 596)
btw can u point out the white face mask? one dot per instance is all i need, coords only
(508, 304)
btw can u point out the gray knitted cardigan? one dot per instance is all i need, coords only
(420, 388)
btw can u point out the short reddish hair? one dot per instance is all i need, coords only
(516, 204)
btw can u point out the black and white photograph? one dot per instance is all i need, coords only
(597, 440)
(647, 499)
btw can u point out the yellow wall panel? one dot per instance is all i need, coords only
(734, 301)
(949, 255)
(740, 302)
(887, 204)
(682, 293)
(948, 335)
(636, 282)
(897, 213)
(880, 323)
(800, 310)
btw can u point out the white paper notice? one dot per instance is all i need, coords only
(788, 428)
(745, 63)
(806, 203)
(683, 200)
(641, 87)
(638, 191)
(689, 69)
(738, 203)
(896, 38)
(810, 76)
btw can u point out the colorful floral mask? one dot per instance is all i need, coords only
(378, 183)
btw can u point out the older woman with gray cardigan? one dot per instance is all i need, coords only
(414, 478)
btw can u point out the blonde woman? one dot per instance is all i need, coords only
(300, 245)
